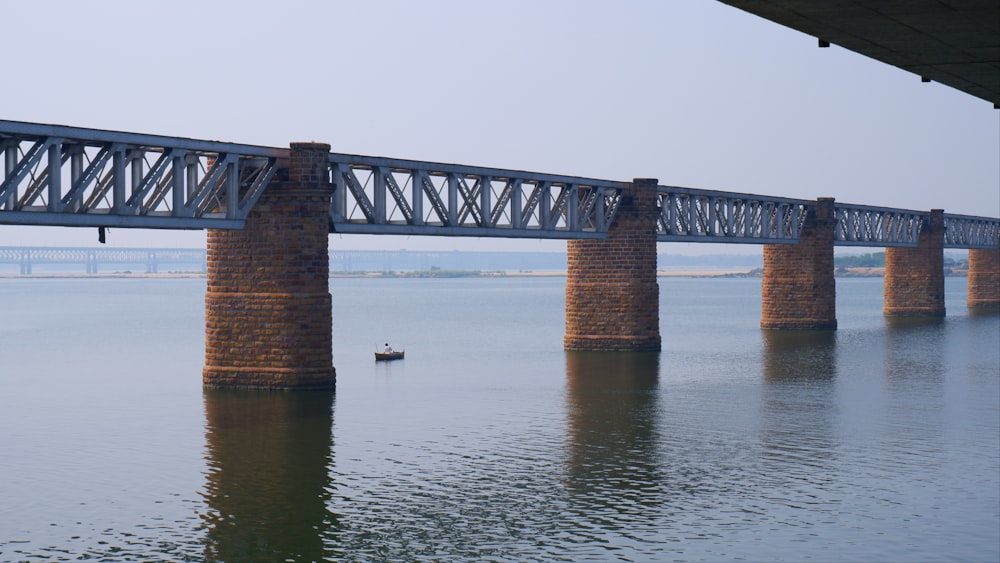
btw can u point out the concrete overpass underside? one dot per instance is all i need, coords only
(954, 42)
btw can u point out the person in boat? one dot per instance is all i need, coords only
(388, 349)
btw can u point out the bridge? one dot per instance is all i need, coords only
(25, 257)
(269, 212)
(68, 176)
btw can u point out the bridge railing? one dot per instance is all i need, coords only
(56, 175)
(393, 196)
(964, 231)
(691, 215)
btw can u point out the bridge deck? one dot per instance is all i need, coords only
(954, 42)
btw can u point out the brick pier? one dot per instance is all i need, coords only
(914, 276)
(798, 290)
(612, 297)
(984, 279)
(268, 315)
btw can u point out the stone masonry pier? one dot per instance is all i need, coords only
(914, 277)
(984, 279)
(612, 296)
(268, 306)
(798, 290)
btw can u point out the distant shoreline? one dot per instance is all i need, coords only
(424, 274)
(691, 273)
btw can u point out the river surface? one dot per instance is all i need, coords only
(879, 441)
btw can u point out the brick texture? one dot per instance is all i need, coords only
(798, 291)
(268, 314)
(612, 296)
(984, 279)
(914, 277)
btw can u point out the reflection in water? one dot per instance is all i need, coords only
(984, 311)
(798, 406)
(612, 421)
(268, 481)
(796, 355)
(909, 323)
(915, 370)
(906, 361)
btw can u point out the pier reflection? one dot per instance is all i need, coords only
(796, 355)
(268, 484)
(611, 405)
(991, 310)
(915, 350)
(798, 404)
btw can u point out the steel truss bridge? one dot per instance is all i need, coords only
(151, 258)
(68, 176)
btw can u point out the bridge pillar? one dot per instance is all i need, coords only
(612, 297)
(914, 276)
(25, 262)
(984, 279)
(268, 312)
(799, 291)
(91, 264)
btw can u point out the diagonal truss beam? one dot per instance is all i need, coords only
(690, 215)
(56, 175)
(68, 176)
(393, 196)
(863, 225)
(963, 231)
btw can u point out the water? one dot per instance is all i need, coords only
(489, 443)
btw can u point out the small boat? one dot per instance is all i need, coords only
(389, 356)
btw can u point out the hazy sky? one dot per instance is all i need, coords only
(692, 92)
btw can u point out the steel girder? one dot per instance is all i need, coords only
(68, 176)
(862, 225)
(689, 215)
(392, 196)
(859, 225)
(963, 231)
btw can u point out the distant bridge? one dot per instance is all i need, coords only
(153, 260)
(150, 258)
(68, 176)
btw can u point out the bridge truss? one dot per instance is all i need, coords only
(861, 225)
(56, 175)
(392, 196)
(689, 215)
(68, 176)
(964, 231)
